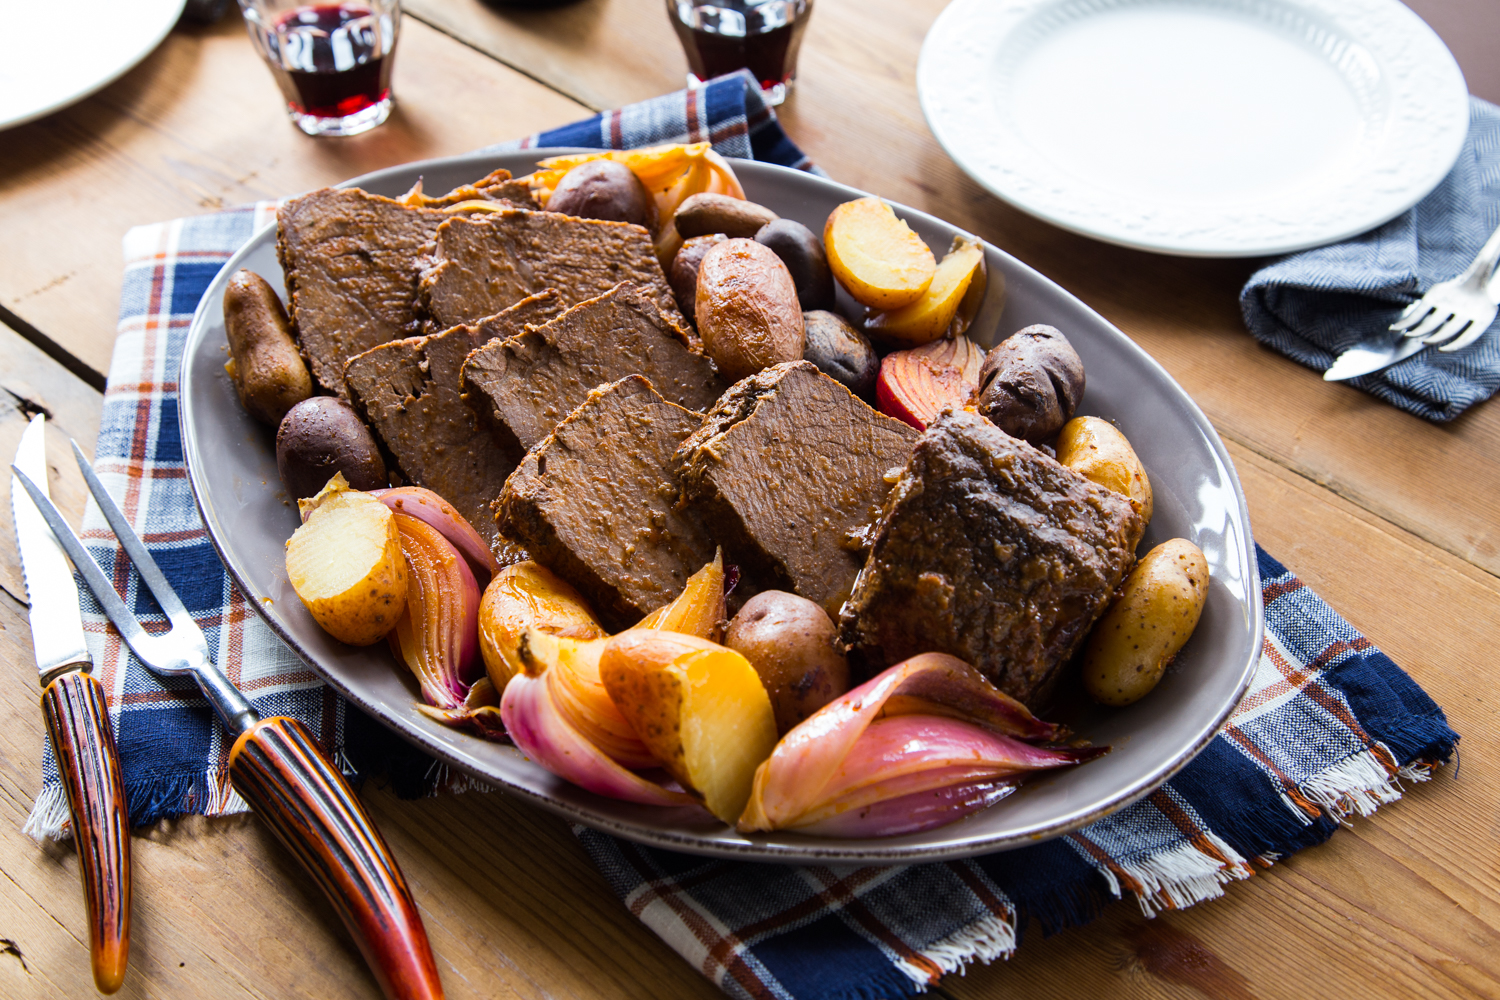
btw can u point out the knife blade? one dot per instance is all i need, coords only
(56, 625)
(1367, 358)
(77, 716)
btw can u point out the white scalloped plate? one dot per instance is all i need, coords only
(1205, 128)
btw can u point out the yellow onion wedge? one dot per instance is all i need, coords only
(571, 668)
(925, 743)
(545, 733)
(437, 636)
(527, 595)
(699, 610)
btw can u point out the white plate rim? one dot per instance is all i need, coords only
(1430, 115)
(171, 13)
(767, 848)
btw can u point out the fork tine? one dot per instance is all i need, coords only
(130, 629)
(1433, 320)
(1468, 337)
(1410, 315)
(1456, 324)
(144, 564)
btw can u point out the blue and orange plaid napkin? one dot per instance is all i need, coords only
(1330, 727)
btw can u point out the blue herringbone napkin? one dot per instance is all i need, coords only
(1318, 303)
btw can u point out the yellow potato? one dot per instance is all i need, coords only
(1097, 451)
(931, 315)
(700, 709)
(345, 563)
(527, 595)
(876, 256)
(1155, 614)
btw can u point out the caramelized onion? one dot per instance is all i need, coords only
(437, 637)
(425, 505)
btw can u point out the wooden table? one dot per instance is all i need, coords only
(1393, 520)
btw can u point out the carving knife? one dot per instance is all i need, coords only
(77, 720)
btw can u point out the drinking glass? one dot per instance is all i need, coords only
(332, 60)
(763, 36)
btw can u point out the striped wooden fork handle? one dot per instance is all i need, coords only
(279, 770)
(84, 744)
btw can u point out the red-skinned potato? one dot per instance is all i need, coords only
(790, 641)
(683, 274)
(747, 309)
(603, 189)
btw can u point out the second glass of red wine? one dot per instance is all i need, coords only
(762, 36)
(331, 60)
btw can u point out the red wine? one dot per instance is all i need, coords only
(760, 35)
(336, 59)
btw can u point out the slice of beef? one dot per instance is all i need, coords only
(786, 471)
(594, 502)
(408, 392)
(485, 263)
(526, 384)
(353, 261)
(993, 552)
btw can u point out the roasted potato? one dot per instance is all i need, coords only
(1030, 383)
(876, 256)
(264, 365)
(603, 189)
(528, 595)
(1096, 450)
(321, 436)
(747, 309)
(683, 274)
(790, 641)
(702, 214)
(1154, 616)
(346, 565)
(802, 252)
(840, 351)
(932, 315)
(699, 707)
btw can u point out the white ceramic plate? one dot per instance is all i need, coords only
(55, 55)
(1207, 128)
(232, 467)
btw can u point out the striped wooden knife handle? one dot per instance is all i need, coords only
(84, 743)
(279, 770)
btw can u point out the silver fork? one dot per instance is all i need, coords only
(274, 764)
(1458, 310)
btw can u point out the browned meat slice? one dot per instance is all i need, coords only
(485, 263)
(526, 384)
(408, 392)
(992, 552)
(787, 464)
(353, 262)
(594, 502)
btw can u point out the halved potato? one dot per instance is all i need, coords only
(700, 709)
(930, 316)
(345, 563)
(876, 256)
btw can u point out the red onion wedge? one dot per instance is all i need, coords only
(480, 712)
(544, 733)
(876, 761)
(437, 637)
(425, 505)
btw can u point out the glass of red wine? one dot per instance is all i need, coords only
(763, 36)
(332, 60)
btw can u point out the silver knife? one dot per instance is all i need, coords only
(1367, 358)
(77, 717)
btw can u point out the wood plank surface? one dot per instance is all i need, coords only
(1391, 519)
(199, 126)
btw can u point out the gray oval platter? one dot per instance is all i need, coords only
(232, 467)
